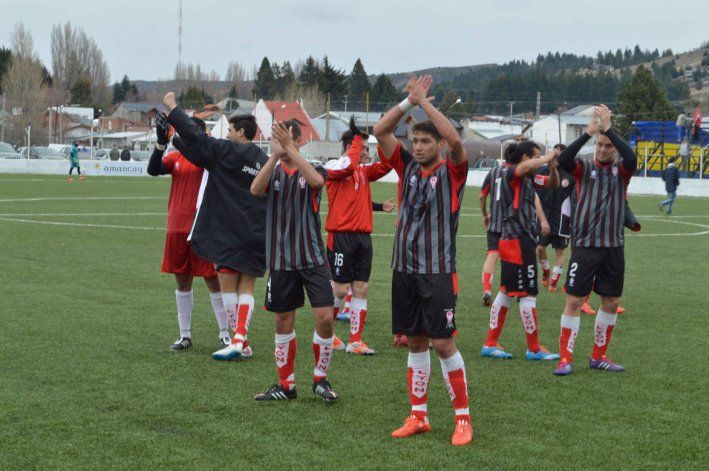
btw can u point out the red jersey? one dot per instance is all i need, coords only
(182, 205)
(348, 193)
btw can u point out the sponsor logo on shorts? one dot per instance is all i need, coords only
(450, 315)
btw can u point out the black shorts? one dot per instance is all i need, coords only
(518, 267)
(599, 268)
(556, 241)
(350, 256)
(493, 241)
(424, 304)
(284, 290)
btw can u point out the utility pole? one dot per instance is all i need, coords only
(366, 105)
(512, 103)
(49, 125)
(59, 118)
(327, 119)
(539, 104)
(345, 103)
(558, 120)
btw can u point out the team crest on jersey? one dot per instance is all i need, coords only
(258, 166)
(539, 179)
(412, 180)
(593, 174)
(450, 314)
(301, 182)
(614, 170)
(277, 186)
(565, 182)
(434, 180)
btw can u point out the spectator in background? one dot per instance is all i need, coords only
(680, 126)
(114, 154)
(671, 178)
(125, 154)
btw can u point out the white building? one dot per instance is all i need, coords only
(565, 128)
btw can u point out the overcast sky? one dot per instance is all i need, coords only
(139, 37)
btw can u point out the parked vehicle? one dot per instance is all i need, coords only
(486, 164)
(44, 153)
(102, 154)
(8, 152)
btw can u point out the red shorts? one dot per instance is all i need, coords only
(181, 260)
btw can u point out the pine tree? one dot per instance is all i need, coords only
(384, 94)
(265, 83)
(287, 78)
(333, 80)
(358, 85)
(643, 98)
(310, 73)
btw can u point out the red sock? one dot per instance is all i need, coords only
(498, 314)
(358, 317)
(530, 320)
(567, 338)
(286, 347)
(419, 374)
(602, 333)
(322, 349)
(487, 281)
(454, 376)
(243, 316)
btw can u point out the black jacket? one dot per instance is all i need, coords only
(230, 226)
(671, 177)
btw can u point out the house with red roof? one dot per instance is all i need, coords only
(267, 111)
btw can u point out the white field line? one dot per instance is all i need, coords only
(460, 236)
(82, 198)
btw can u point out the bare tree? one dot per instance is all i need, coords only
(235, 73)
(24, 84)
(313, 100)
(75, 55)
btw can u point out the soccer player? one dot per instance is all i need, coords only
(597, 260)
(517, 246)
(178, 258)
(493, 225)
(425, 283)
(229, 227)
(74, 162)
(556, 204)
(349, 225)
(296, 259)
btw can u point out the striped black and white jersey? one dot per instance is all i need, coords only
(491, 187)
(429, 206)
(517, 200)
(293, 240)
(600, 208)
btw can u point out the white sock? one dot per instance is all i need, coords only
(220, 314)
(572, 323)
(501, 300)
(323, 356)
(357, 305)
(544, 264)
(603, 321)
(339, 302)
(185, 301)
(420, 366)
(231, 301)
(558, 270)
(527, 305)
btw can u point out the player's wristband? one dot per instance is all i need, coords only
(405, 105)
(160, 146)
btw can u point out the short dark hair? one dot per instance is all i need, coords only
(516, 150)
(294, 124)
(346, 139)
(429, 128)
(673, 159)
(560, 146)
(247, 122)
(199, 122)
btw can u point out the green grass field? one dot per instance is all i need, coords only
(87, 380)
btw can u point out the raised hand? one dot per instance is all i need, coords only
(594, 123)
(418, 89)
(604, 114)
(356, 131)
(162, 128)
(170, 101)
(282, 134)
